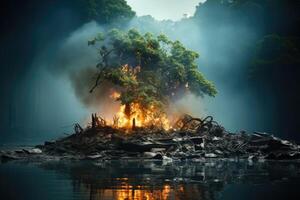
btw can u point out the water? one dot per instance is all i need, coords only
(136, 180)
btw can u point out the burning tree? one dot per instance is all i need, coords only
(148, 73)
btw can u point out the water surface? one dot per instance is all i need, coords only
(140, 180)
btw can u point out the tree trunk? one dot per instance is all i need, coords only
(127, 110)
(133, 124)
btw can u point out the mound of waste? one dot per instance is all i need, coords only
(194, 138)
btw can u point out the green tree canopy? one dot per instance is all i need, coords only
(107, 11)
(147, 69)
(276, 58)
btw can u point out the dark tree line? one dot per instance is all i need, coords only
(273, 64)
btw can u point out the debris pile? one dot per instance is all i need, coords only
(191, 138)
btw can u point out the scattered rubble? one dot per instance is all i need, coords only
(192, 138)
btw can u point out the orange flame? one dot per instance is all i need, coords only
(142, 117)
(115, 95)
(134, 113)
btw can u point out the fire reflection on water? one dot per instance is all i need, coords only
(139, 192)
(128, 192)
(145, 180)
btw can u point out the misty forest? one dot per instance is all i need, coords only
(200, 104)
(248, 50)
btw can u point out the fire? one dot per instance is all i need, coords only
(115, 95)
(138, 116)
(130, 70)
(141, 117)
(133, 114)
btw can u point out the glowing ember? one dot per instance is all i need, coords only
(115, 95)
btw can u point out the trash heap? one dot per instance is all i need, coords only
(192, 138)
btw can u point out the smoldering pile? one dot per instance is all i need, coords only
(195, 139)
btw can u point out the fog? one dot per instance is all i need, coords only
(55, 91)
(160, 10)
(224, 50)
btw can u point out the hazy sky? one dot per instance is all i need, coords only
(164, 9)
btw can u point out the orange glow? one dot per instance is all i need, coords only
(143, 117)
(134, 113)
(128, 192)
(115, 95)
